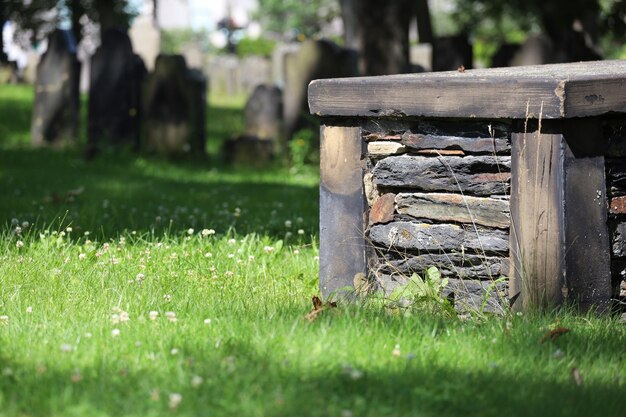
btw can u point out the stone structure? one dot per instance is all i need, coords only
(233, 76)
(56, 107)
(509, 172)
(313, 60)
(114, 93)
(263, 113)
(175, 107)
(263, 129)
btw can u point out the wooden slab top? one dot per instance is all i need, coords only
(543, 91)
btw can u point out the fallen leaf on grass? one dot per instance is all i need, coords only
(578, 378)
(318, 307)
(554, 334)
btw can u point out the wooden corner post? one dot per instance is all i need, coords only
(342, 206)
(560, 249)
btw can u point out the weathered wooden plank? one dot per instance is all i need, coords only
(342, 208)
(537, 221)
(478, 175)
(587, 240)
(455, 207)
(416, 141)
(544, 91)
(437, 237)
(559, 234)
(385, 148)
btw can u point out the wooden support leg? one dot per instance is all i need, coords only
(342, 206)
(559, 235)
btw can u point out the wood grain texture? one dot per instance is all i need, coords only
(342, 207)
(544, 91)
(537, 235)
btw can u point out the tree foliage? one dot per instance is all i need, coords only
(291, 18)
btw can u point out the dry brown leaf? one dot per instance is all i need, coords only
(318, 307)
(554, 334)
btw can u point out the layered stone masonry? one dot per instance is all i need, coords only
(615, 134)
(438, 195)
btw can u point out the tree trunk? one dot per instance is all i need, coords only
(380, 31)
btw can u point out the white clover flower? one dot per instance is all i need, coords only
(29, 309)
(296, 252)
(232, 241)
(288, 235)
(208, 255)
(17, 230)
(174, 351)
(207, 322)
(171, 316)
(190, 231)
(68, 229)
(115, 332)
(231, 255)
(196, 381)
(87, 233)
(153, 315)
(15, 221)
(19, 244)
(287, 223)
(301, 232)
(124, 317)
(268, 249)
(88, 335)
(4, 320)
(82, 256)
(65, 348)
(167, 297)
(139, 278)
(251, 257)
(175, 400)
(115, 318)
(229, 273)
(25, 225)
(396, 351)
(299, 219)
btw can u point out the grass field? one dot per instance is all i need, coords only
(139, 286)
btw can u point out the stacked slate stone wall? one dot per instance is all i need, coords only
(615, 163)
(438, 195)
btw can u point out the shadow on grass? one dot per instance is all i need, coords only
(120, 192)
(240, 380)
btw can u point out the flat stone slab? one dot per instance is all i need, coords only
(455, 207)
(478, 175)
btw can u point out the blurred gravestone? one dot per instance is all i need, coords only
(263, 113)
(146, 39)
(114, 93)
(314, 59)
(540, 50)
(255, 70)
(175, 106)
(55, 111)
(451, 52)
(278, 61)
(194, 56)
(263, 124)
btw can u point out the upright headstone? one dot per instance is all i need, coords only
(175, 107)
(114, 93)
(194, 56)
(146, 39)
(263, 123)
(315, 59)
(56, 107)
(263, 113)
